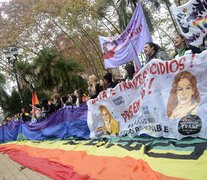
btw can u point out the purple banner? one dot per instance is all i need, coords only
(118, 50)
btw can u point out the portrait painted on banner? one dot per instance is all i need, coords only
(111, 126)
(109, 53)
(184, 96)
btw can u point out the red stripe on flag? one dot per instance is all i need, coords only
(97, 167)
(44, 166)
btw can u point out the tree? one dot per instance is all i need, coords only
(10, 104)
(40, 22)
(56, 73)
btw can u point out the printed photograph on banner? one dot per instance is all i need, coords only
(118, 50)
(109, 49)
(164, 99)
(111, 126)
(183, 103)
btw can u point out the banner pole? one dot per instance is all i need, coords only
(136, 57)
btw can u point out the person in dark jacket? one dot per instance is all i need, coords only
(94, 86)
(71, 100)
(102, 85)
(64, 100)
(24, 116)
(153, 51)
(129, 72)
(79, 96)
(182, 47)
(45, 108)
(108, 81)
(204, 45)
(56, 101)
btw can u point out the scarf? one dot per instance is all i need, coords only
(181, 51)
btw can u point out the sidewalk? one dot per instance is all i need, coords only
(10, 170)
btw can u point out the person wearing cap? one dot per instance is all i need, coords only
(129, 72)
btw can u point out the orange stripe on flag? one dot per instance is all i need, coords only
(34, 101)
(98, 167)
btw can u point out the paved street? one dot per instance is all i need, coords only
(10, 170)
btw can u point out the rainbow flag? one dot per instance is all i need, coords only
(115, 158)
(34, 101)
(63, 123)
(99, 129)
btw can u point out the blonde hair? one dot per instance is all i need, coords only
(114, 124)
(93, 81)
(56, 96)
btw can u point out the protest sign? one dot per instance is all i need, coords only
(192, 20)
(166, 98)
(119, 50)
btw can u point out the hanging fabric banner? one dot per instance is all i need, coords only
(192, 21)
(165, 99)
(118, 50)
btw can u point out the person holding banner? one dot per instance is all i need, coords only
(184, 97)
(108, 81)
(102, 85)
(182, 48)
(94, 86)
(153, 51)
(111, 126)
(129, 72)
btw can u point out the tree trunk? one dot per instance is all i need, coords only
(174, 24)
(86, 58)
(112, 24)
(95, 47)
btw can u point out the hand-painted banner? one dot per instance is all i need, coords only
(115, 158)
(166, 98)
(119, 50)
(63, 123)
(192, 20)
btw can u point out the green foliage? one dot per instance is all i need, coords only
(148, 17)
(56, 73)
(12, 104)
(2, 80)
(124, 16)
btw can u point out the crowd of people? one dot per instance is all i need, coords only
(39, 113)
(95, 85)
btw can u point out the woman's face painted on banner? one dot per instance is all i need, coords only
(105, 116)
(184, 91)
(178, 41)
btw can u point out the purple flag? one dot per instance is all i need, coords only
(118, 50)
